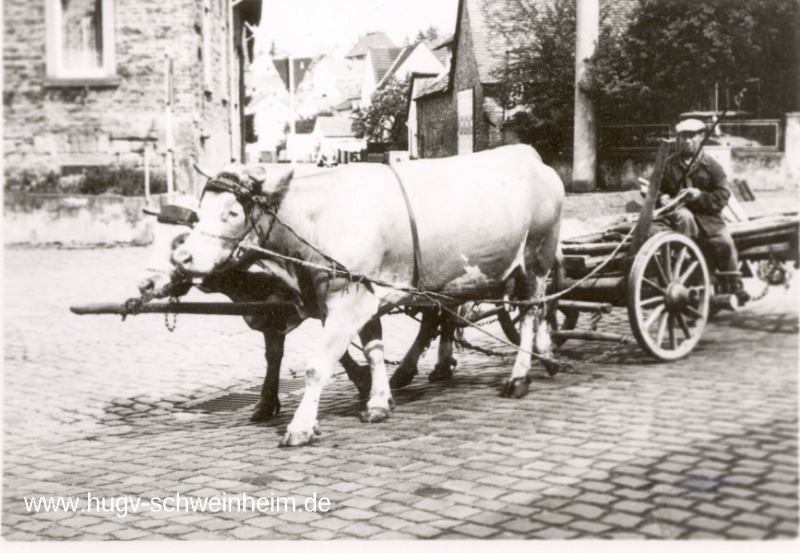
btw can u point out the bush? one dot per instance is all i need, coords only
(101, 179)
(39, 178)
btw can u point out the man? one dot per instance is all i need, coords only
(700, 218)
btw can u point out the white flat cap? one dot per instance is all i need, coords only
(690, 125)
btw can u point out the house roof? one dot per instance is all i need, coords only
(335, 126)
(370, 40)
(382, 59)
(443, 42)
(434, 86)
(300, 66)
(398, 61)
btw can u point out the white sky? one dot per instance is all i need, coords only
(306, 27)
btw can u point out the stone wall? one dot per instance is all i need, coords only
(87, 125)
(75, 220)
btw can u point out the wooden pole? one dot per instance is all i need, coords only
(191, 308)
(170, 98)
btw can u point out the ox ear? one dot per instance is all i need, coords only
(276, 197)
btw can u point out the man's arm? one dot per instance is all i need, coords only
(712, 201)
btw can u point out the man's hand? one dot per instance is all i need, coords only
(663, 200)
(692, 194)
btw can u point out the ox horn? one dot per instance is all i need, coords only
(202, 171)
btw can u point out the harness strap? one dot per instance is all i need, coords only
(416, 279)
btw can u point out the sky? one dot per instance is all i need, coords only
(308, 27)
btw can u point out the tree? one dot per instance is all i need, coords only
(385, 120)
(676, 52)
(539, 71)
(431, 34)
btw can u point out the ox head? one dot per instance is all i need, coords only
(161, 277)
(234, 211)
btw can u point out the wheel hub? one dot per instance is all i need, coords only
(679, 296)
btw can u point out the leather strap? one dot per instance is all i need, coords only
(416, 279)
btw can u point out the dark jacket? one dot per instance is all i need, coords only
(707, 176)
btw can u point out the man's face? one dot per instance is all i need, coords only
(690, 141)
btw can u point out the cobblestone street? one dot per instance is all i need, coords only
(620, 448)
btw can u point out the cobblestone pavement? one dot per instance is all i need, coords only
(620, 448)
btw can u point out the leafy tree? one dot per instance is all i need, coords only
(306, 125)
(431, 34)
(539, 70)
(385, 120)
(676, 51)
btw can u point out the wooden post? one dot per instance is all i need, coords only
(147, 173)
(170, 99)
(292, 135)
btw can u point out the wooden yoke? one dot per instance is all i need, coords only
(646, 215)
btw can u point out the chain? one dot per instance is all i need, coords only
(173, 300)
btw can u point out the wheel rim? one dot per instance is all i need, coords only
(669, 293)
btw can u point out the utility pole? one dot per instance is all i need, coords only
(170, 100)
(584, 160)
(292, 137)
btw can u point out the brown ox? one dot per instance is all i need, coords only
(482, 219)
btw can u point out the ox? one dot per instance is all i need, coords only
(266, 282)
(483, 219)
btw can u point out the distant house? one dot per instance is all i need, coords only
(85, 83)
(378, 61)
(443, 50)
(368, 41)
(335, 134)
(417, 58)
(462, 113)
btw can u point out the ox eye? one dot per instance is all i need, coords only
(233, 214)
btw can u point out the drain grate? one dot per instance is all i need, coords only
(285, 385)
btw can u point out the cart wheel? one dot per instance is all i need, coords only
(669, 290)
(508, 323)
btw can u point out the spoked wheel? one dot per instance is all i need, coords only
(669, 290)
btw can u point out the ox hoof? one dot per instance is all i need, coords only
(402, 377)
(515, 387)
(551, 366)
(265, 410)
(296, 439)
(375, 414)
(443, 371)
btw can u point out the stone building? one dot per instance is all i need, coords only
(85, 82)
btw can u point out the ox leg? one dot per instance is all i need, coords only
(347, 313)
(358, 374)
(405, 373)
(517, 384)
(269, 405)
(380, 397)
(446, 363)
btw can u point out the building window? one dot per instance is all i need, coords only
(465, 122)
(80, 42)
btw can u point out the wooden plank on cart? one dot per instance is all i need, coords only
(646, 216)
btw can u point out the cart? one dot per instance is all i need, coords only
(663, 280)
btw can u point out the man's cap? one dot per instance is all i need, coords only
(690, 125)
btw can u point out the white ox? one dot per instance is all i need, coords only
(265, 282)
(483, 219)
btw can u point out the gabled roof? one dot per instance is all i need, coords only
(382, 59)
(300, 66)
(335, 126)
(370, 40)
(398, 61)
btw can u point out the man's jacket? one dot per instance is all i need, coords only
(707, 176)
